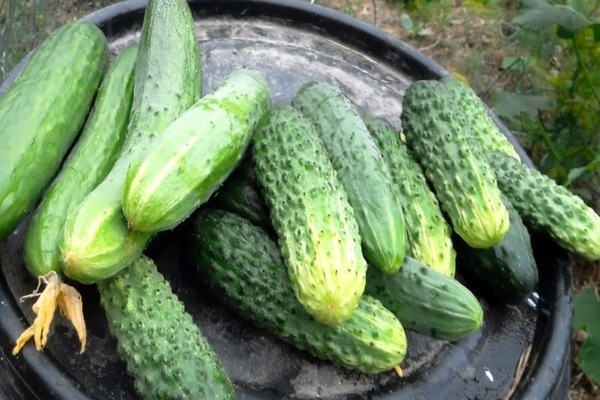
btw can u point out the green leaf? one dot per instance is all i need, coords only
(577, 173)
(510, 105)
(596, 30)
(511, 63)
(539, 14)
(587, 317)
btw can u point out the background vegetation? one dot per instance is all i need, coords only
(535, 62)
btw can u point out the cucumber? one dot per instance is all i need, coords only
(243, 267)
(484, 129)
(508, 271)
(96, 242)
(240, 195)
(362, 171)
(87, 164)
(454, 162)
(195, 154)
(42, 113)
(427, 301)
(311, 215)
(429, 235)
(549, 206)
(166, 353)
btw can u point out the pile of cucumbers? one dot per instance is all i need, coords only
(332, 230)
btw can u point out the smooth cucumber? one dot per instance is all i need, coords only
(311, 215)
(166, 353)
(243, 267)
(508, 271)
(427, 301)
(96, 242)
(454, 162)
(42, 113)
(362, 171)
(195, 154)
(429, 235)
(484, 129)
(549, 206)
(88, 163)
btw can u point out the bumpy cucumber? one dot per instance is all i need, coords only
(426, 301)
(195, 154)
(454, 162)
(88, 163)
(96, 241)
(548, 206)
(165, 351)
(42, 113)
(362, 171)
(243, 267)
(484, 129)
(240, 195)
(429, 235)
(508, 271)
(311, 215)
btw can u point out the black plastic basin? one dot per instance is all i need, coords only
(521, 350)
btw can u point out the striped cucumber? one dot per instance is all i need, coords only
(195, 154)
(88, 163)
(166, 353)
(42, 113)
(549, 206)
(362, 171)
(454, 162)
(243, 267)
(429, 235)
(311, 215)
(96, 241)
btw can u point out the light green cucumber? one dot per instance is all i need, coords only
(96, 242)
(195, 154)
(311, 215)
(454, 163)
(42, 113)
(243, 267)
(87, 164)
(549, 206)
(429, 235)
(362, 171)
(165, 351)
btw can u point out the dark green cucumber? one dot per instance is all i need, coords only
(87, 164)
(311, 215)
(484, 129)
(362, 171)
(42, 113)
(454, 162)
(243, 267)
(240, 195)
(166, 353)
(195, 154)
(508, 271)
(96, 242)
(548, 206)
(426, 301)
(429, 235)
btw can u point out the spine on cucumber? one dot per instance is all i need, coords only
(548, 206)
(195, 154)
(311, 215)
(360, 168)
(166, 353)
(483, 127)
(427, 301)
(243, 267)
(96, 242)
(86, 166)
(429, 235)
(42, 113)
(455, 164)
